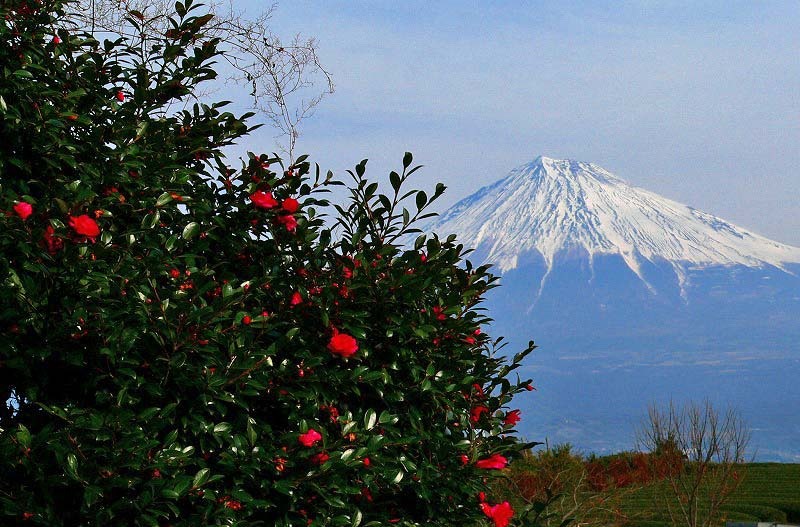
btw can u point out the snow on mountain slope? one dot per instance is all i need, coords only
(552, 205)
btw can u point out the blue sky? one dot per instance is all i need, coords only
(698, 101)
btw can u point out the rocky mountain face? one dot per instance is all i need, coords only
(634, 299)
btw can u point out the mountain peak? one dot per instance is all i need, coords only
(544, 166)
(542, 160)
(554, 166)
(551, 206)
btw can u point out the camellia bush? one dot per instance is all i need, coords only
(186, 342)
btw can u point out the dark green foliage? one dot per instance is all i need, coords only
(162, 370)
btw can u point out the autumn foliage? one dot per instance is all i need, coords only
(587, 490)
(185, 341)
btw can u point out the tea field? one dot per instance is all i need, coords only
(770, 492)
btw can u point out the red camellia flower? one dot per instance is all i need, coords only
(464, 459)
(233, 504)
(246, 320)
(120, 96)
(263, 200)
(84, 226)
(23, 210)
(333, 412)
(500, 514)
(290, 205)
(493, 462)
(476, 412)
(309, 438)
(50, 241)
(288, 221)
(366, 494)
(56, 40)
(512, 418)
(320, 458)
(343, 345)
(297, 298)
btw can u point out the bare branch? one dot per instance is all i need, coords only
(710, 448)
(286, 79)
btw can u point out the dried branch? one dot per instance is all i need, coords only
(710, 449)
(286, 79)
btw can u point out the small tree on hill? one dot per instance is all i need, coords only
(184, 342)
(706, 450)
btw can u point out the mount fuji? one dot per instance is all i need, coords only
(635, 299)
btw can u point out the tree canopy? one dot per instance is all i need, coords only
(187, 342)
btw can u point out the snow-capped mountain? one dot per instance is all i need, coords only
(633, 298)
(553, 205)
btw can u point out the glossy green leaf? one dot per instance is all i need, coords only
(370, 419)
(163, 199)
(222, 428)
(191, 230)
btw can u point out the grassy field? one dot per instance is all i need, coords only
(769, 492)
